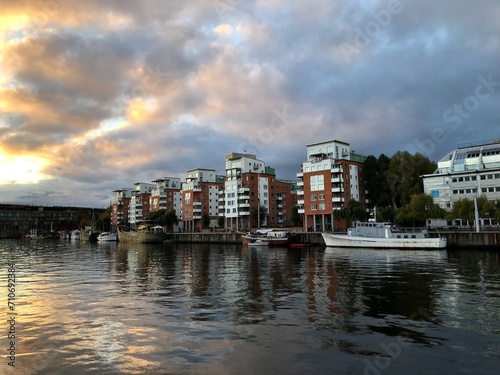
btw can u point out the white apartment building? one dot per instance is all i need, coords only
(472, 169)
(166, 195)
(235, 200)
(139, 202)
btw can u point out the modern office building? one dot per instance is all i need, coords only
(471, 170)
(248, 186)
(200, 195)
(329, 178)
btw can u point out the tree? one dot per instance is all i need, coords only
(166, 218)
(420, 208)
(464, 209)
(104, 220)
(205, 220)
(295, 216)
(404, 174)
(221, 222)
(375, 179)
(352, 211)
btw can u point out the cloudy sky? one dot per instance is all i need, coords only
(98, 95)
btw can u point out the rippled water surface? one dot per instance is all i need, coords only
(222, 309)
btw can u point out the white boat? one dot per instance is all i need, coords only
(383, 236)
(75, 235)
(107, 236)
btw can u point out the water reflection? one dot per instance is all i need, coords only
(145, 308)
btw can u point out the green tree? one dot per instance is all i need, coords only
(463, 209)
(375, 179)
(166, 218)
(353, 210)
(420, 208)
(295, 216)
(205, 220)
(221, 222)
(404, 174)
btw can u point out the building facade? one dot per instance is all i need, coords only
(139, 207)
(469, 171)
(252, 193)
(200, 196)
(120, 207)
(329, 178)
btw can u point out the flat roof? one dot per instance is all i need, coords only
(321, 143)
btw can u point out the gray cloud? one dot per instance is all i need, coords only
(116, 92)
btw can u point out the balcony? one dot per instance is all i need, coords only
(300, 202)
(300, 183)
(338, 199)
(221, 207)
(197, 189)
(243, 190)
(301, 211)
(197, 210)
(337, 190)
(221, 192)
(300, 175)
(300, 192)
(197, 203)
(337, 180)
(243, 205)
(196, 217)
(336, 170)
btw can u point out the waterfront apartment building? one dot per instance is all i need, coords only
(472, 169)
(167, 195)
(139, 207)
(200, 196)
(120, 207)
(252, 192)
(329, 178)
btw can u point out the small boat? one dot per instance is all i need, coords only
(268, 237)
(145, 233)
(256, 241)
(383, 236)
(107, 236)
(75, 235)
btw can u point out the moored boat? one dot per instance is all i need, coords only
(267, 237)
(107, 236)
(385, 236)
(145, 233)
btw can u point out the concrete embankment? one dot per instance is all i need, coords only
(456, 239)
(470, 239)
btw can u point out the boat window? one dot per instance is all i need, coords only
(406, 236)
(413, 236)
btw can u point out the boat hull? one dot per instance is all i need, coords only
(339, 240)
(107, 237)
(128, 235)
(264, 241)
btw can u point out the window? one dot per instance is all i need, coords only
(313, 197)
(322, 206)
(314, 207)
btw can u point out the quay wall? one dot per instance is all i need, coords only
(456, 239)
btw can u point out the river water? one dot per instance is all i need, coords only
(223, 309)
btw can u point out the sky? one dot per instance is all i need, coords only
(98, 95)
